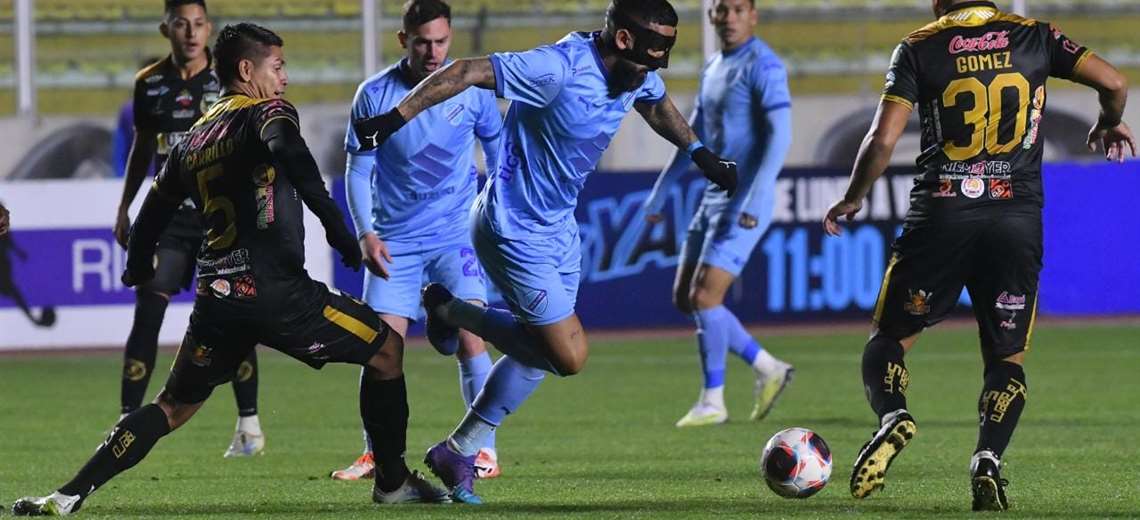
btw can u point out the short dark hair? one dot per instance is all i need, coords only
(171, 5)
(643, 11)
(419, 12)
(242, 41)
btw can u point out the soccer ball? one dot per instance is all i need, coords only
(796, 463)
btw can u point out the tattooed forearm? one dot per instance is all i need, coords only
(446, 83)
(664, 119)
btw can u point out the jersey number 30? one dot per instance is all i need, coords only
(985, 117)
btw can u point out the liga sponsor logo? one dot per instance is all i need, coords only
(991, 41)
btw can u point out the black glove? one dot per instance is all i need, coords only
(721, 172)
(372, 132)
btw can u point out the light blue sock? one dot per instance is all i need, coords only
(508, 385)
(712, 338)
(740, 342)
(472, 373)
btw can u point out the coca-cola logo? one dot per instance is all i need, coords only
(990, 41)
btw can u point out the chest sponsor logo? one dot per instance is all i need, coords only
(157, 91)
(150, 80)
(973, 188)
(208, 100)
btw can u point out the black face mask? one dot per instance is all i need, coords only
(647, 43)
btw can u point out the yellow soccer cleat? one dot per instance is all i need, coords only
(767, 390)
(703, 415)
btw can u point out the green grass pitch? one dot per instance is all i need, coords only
(602, 444)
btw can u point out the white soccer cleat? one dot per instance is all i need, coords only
(363, 468)
(417, 489)
(487, 464)
(245, 444)
(702, 414)
(55, 504)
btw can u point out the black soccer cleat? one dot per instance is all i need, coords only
(876, 456)
(986, 483)
(444, 337)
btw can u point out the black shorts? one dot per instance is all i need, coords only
(997, 259)
(329, 327)
(176, 252)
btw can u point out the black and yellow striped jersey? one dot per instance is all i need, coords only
(977, 77)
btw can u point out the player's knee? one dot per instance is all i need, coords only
(388, 361)
(470, 345)
(1017, 359)
(568, 365)
(177, 413)
(701, 298)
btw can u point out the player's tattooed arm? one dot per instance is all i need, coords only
(443, 84)
(447, 83)
(664, 118)
(872, 160)
(138, 165)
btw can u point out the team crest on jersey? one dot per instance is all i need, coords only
(918, 303)
(454, 113)
(973, 187)
(184, 99)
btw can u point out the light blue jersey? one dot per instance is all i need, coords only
(743, 113)
(560, 121)
(419, 185)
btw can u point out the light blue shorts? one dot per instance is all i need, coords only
(716, 238)
(454, 265)
(537, 277)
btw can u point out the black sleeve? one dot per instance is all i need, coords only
(902, 78)
(1065, 55)
(291, 157)
(156, 212)
(142, 118)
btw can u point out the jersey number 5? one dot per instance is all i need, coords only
(214, 207)
(985, 117)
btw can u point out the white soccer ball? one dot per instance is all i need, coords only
(796, 463)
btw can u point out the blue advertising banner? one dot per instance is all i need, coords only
(796, 274)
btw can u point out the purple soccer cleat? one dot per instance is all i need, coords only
(456, 471)
(442, 336)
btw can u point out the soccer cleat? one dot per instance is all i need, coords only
(768, 390)
(486, 464)
(442, 336)
(456, 471)
(875, 458)
(415, 490)
(363, 468)
(55, 504)
(986, 483)
(702, 414)
(245, 444)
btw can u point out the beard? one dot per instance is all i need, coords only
(625, 77)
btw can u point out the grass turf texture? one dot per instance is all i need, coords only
(602, 444)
